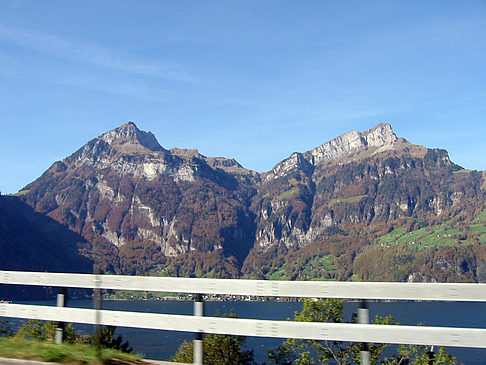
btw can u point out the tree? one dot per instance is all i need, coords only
(37, 330)
(108, 340)
(5, 329)
(419, 355)
(46, 331)
(294, 351)
(217, 349)
(310, 352)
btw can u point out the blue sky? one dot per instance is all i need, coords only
(253, 80)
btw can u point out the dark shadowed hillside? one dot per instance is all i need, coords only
(31, 241)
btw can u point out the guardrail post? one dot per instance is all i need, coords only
(61, 302)
(431, 356)
(364, 318)
(198, 338)
(97, 307)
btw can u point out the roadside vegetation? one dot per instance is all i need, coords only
(230, 350)
(218, 349)
(34, 340)
(310, 352)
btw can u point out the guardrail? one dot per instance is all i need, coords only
(272, 288)
(361, 332)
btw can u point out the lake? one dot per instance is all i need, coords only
(163, 344)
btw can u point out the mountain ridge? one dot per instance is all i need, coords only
(143, 207)
(129, 139)
(381, 136)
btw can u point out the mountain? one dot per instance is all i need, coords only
(138, 203)
(344, 209)
(146, 209)
(356, 178)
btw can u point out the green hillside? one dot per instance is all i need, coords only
(449, 233)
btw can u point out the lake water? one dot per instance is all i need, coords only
(163, 344)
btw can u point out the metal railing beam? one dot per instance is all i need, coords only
(462, 292)
(350, 332)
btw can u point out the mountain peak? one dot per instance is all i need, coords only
(380, 135)
(129, 138)
(379, 138)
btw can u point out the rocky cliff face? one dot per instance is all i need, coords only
(139, 204)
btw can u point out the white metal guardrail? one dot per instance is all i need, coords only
(273, 288)
(417, 335)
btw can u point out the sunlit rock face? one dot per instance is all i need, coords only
(350, 145)
(354, 142)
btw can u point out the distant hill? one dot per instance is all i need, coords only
(325, 213)
(31, 241)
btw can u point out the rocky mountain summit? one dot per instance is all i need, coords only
(143, 208)
(349, 146)
(128, 139)
(377, 139)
